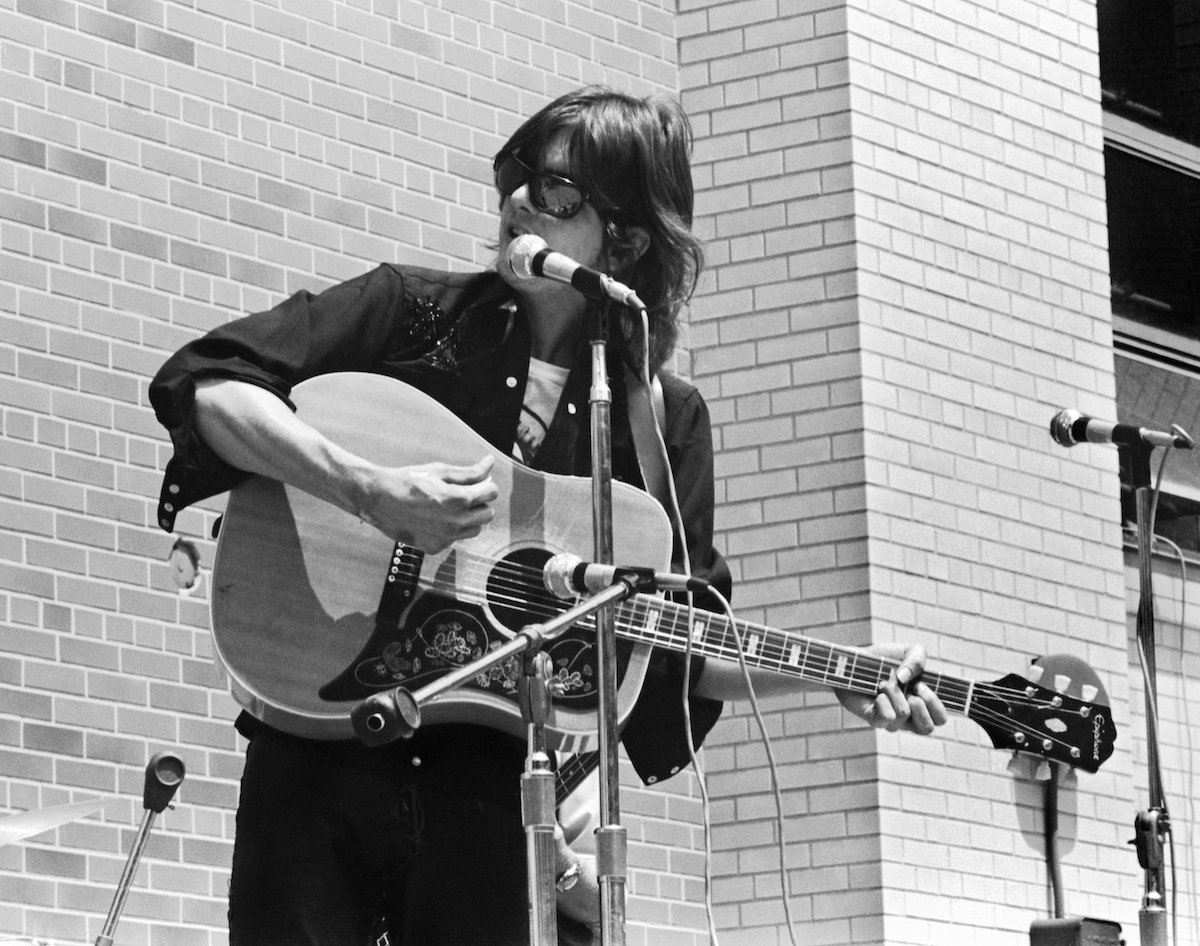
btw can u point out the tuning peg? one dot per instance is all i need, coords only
(1089, 692)
(1061, 682)
(1042, 773)
(1035, 673)
(1067, 777)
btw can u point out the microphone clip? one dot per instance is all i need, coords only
(641, 580)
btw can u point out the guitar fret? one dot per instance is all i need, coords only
(725, 645)
(777, 652)
(820, 663)
(652, 618)
(774, 647)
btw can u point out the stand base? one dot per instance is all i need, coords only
(1075, 931)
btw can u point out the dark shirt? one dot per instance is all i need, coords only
(460, 339)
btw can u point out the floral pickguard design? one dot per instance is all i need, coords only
(449, 637)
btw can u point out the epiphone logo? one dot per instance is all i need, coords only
(1097, 729)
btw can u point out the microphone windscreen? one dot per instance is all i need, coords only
(1061, 427)
(521, 253)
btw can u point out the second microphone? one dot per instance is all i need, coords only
(566, 576)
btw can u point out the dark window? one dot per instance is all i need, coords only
(1154, 243)
(1150, 77)
(1150, 62)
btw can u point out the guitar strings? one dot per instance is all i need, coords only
(774, 643)
(521, 588)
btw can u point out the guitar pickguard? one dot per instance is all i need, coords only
(438, 634)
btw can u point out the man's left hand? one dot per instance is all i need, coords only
(903, 701)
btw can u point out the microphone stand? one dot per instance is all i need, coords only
(383, 717)
(537, 799)
(1152, 825)
(395, 714)
(164, 773)
(611, 841)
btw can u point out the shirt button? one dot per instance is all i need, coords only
(570, 408)
(173, 489)
(511, 382)
(416, 761)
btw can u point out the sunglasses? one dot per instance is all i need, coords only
(552, 194)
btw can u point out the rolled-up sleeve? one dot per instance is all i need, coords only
(343, 328)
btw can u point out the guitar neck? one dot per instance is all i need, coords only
(1016, 713)
(574, 772)
(670, 625)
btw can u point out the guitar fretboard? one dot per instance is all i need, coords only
(667, 624)
(572, 773)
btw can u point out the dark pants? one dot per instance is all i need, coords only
(333, 836)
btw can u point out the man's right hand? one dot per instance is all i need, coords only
(430, 506)
(433, 505)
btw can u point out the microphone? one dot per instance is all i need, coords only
(1069, 427)
(164, 775)
(530, 256)
(567, 575)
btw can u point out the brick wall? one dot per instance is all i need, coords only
(907, 278)
(164, 167)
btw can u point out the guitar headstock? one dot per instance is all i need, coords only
(1068, 721)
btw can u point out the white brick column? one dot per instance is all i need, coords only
(904, 210)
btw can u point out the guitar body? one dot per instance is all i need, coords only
(314, 610)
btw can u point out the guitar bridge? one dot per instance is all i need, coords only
(404, 572)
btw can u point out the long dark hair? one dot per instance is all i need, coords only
(633, 156)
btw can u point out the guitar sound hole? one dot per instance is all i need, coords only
(515, 592)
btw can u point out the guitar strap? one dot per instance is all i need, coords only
(644, 406)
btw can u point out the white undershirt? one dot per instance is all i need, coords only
(542, 390)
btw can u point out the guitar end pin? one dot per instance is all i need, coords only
(386, 717)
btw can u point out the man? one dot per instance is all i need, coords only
(427, 833)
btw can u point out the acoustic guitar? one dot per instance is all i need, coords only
(314, 610)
